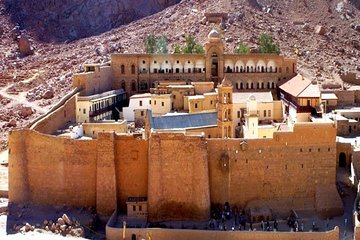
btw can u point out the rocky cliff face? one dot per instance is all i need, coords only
(73, 19)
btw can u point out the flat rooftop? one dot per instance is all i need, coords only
(242, 97)
(100, 96)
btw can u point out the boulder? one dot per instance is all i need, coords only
(356, 44)
(12, 122)
(24, 45)
(63, 228)
(48, 94)
(66, 219)
(15, 32)
(319, 30)
(60, 221)
(26, 111)
(27, 227)
(229, 39)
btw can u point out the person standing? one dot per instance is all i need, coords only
(276, 225)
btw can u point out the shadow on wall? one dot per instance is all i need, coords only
(53, 20)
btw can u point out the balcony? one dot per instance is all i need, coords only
(101, 111)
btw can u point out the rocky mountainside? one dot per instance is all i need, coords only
(323, 34)
(73, 19)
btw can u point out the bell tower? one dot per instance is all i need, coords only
(214, 50)
(225, 111)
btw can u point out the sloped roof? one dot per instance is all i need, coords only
(242, 97)
(311, 91)
(184, 121)
(295, 85)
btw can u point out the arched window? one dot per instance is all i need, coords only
(123, 85)
(133, 69)
(133, 86)
(122, 68)
(143, 85)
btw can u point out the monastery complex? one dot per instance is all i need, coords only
(165, 137)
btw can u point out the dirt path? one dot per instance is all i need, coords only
(20, 99)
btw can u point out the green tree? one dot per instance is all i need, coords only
(150, 44)
(161, 45)
(267, 45)
(192, 46)
(177, 49)
(155, 44)
(242, 48)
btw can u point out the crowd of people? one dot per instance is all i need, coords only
(240, 221)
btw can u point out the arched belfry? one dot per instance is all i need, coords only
(214, 50)
(225, 112)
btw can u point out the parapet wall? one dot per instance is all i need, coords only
(184, 234)
(55, 119)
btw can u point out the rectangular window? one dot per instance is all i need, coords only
(162, 104)
(238, 114)
(308, 102)
(150, 102)
(264, 113)
(269, 113)
(211, 102)
(84, 111)
(134, 208)
(155, 102)
(196, 105)
(140, 103)
(142, 113)
(140, 208)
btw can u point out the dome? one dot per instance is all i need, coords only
(214, 34)
(252, 98)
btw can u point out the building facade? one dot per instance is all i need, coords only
(137, 73)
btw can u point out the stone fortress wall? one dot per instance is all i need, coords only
(175, 171)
